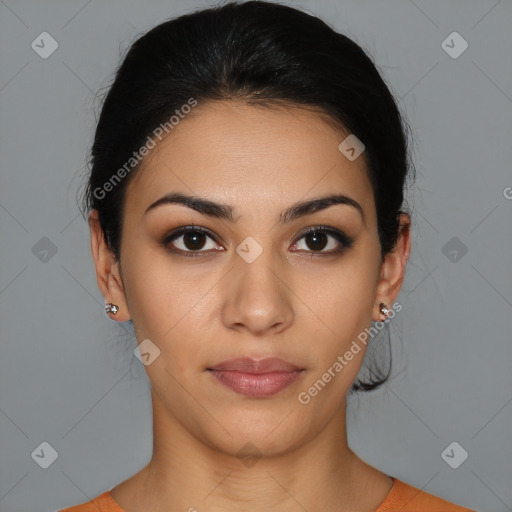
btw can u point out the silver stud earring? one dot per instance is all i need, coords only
(111, 308)
(384, 309)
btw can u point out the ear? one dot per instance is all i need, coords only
(393, 268)
(108, 273)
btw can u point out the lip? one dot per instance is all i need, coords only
(256, 366)
(256, 378)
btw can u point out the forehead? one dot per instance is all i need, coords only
(253, 157)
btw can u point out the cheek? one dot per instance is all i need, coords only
(175, 309)
(160, 294)
(342, 301)
(341, 296)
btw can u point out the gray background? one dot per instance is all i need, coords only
(67, 372)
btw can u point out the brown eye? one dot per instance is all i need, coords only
(193, 240)
(319, 238)
(189, 240)
(316, 240)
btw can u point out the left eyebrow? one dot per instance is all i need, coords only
(225, 211)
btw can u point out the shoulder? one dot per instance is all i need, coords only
(407, 498)
(102, 503)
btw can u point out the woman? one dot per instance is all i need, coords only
(245, 200)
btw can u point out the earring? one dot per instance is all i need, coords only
(384, 309)
(111, 308)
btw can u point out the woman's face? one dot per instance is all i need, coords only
(250, 284)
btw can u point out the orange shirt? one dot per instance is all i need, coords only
(402, 497)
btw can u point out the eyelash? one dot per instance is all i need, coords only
(345, 241)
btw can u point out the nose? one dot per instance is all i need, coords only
(258, 297)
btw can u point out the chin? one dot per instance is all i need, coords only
(258, 434)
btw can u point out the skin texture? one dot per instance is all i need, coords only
(301, 305)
